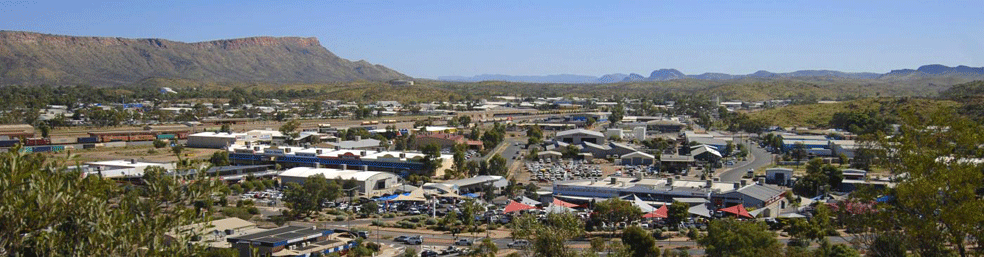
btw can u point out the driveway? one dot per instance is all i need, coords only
(759, 158)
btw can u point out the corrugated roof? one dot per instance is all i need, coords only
(303, 172)
(580, 131)
(761, 192)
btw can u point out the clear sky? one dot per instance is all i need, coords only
(436, 38)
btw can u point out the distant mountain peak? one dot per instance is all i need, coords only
(673, 74)
(666, 74)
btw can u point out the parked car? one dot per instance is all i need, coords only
(401, 238)
(428, 253)
(450, 250)
(415, 240)
(518, 244)
(463, 241)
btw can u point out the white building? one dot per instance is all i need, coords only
(213, 139)
(371, 183)
(122, 168)
(639, 133)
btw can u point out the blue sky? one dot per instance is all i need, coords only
(436, 38)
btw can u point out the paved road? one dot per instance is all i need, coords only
(761, 157)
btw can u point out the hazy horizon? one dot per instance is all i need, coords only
(434, 39)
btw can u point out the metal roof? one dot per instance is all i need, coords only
(280, 236)
(761, 192)
(580, 131)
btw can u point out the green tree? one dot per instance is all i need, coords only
(614, 210)
(409, 252)
(730, 237)
(307, 198)
(639, 242)
(220, 158)
(289, 129)
(432, 158)
(938, 201)
(158, 143)
(486, 248)
(677, 212)
(798, 152)
(48, 210)
(45, 129)
(369, 208)
(497, 165)
(548, 237)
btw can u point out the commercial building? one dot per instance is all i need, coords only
(768, 200)
(603, 151)
(779, 176)
(846, 147)
(213, 234)
(665, 126)
(577, 136)
(17, 131)
(290, 241)
(665, 191)
(370, 183)
(402, 163)
(213, 139)
(678, 164)
(359, 143)
(122, 169)
(478, 183)
(638, 158)
(639, 133)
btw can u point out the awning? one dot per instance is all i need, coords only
(661, 212)
(515, 206)
(415, 196)
(558, 209)
(645, 207)
(737, 210)
(528, 201)
(756, 212)
(700, 210)
(558, 202)
(471, 195)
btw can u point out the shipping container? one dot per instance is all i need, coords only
(41, 149)
(165, 136)
(88, 140)
(115, 144)
(57, 148)
(37, 141)
(62, 140)
(9, 143)
(88, 146)
(142, 138)
(26, 150)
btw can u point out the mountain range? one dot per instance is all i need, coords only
(926, 71)
(28, 58)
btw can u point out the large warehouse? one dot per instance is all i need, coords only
(371, 183)
(576, 136)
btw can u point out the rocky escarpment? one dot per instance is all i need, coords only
(28, 58)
